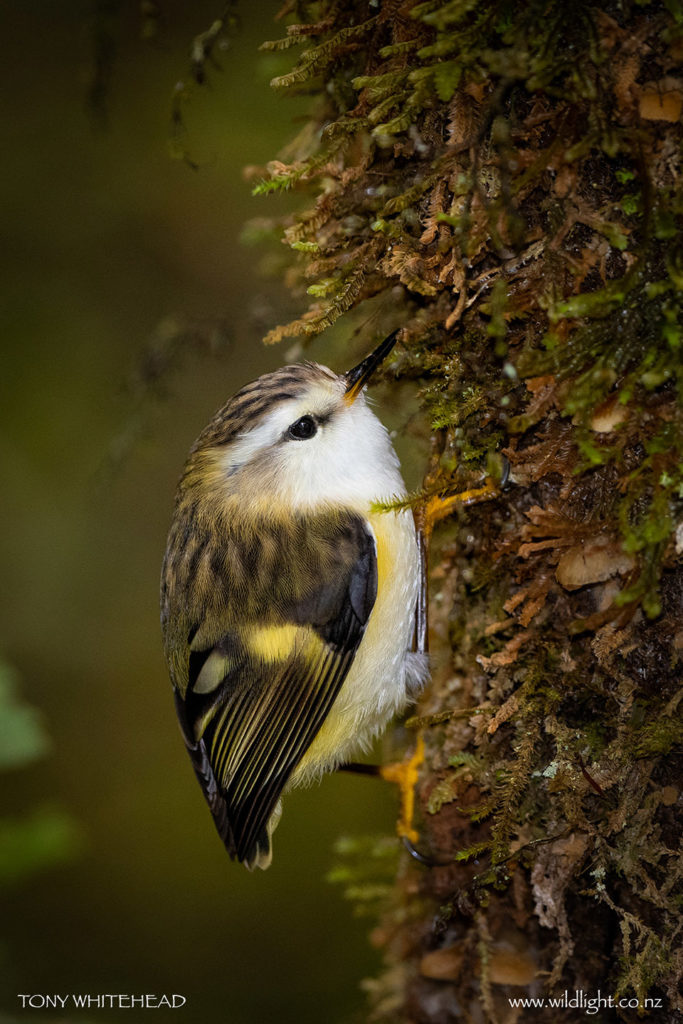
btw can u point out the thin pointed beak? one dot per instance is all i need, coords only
(358, 377)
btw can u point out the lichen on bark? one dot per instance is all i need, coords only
(502, 182)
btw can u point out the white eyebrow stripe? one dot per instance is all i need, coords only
(246, 446)
(269, 431)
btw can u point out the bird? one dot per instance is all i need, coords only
(288, 593)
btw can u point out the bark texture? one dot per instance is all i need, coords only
(502, 182)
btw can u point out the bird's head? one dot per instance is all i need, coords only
(299, 438)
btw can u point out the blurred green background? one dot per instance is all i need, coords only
(109, 247)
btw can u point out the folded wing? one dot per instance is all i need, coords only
(257, 693)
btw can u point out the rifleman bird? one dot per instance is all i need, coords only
(288, 598)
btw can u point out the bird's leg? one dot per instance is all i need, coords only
(404, 774)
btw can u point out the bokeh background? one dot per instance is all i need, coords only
(130, 312)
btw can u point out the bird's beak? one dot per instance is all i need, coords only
(358, 377)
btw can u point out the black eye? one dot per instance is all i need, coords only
(303, 428)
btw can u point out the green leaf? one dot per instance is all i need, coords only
(23, 738)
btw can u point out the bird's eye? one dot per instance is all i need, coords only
(304, 428)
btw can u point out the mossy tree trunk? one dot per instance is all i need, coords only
(501, 181)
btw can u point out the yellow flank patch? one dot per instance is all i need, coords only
(273, 643)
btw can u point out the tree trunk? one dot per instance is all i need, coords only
(501, 181)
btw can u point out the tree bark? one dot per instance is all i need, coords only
(502, 182)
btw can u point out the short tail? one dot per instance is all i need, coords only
(261, 852)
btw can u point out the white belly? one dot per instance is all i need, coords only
(376, 686)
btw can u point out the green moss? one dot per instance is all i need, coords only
(658, 737)
(472, 851)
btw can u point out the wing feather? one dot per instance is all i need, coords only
(248, 717)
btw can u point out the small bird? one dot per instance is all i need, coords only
(287, 598)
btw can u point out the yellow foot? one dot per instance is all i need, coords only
(439, 507)
(404, 774)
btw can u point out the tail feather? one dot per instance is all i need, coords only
(261, 852)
